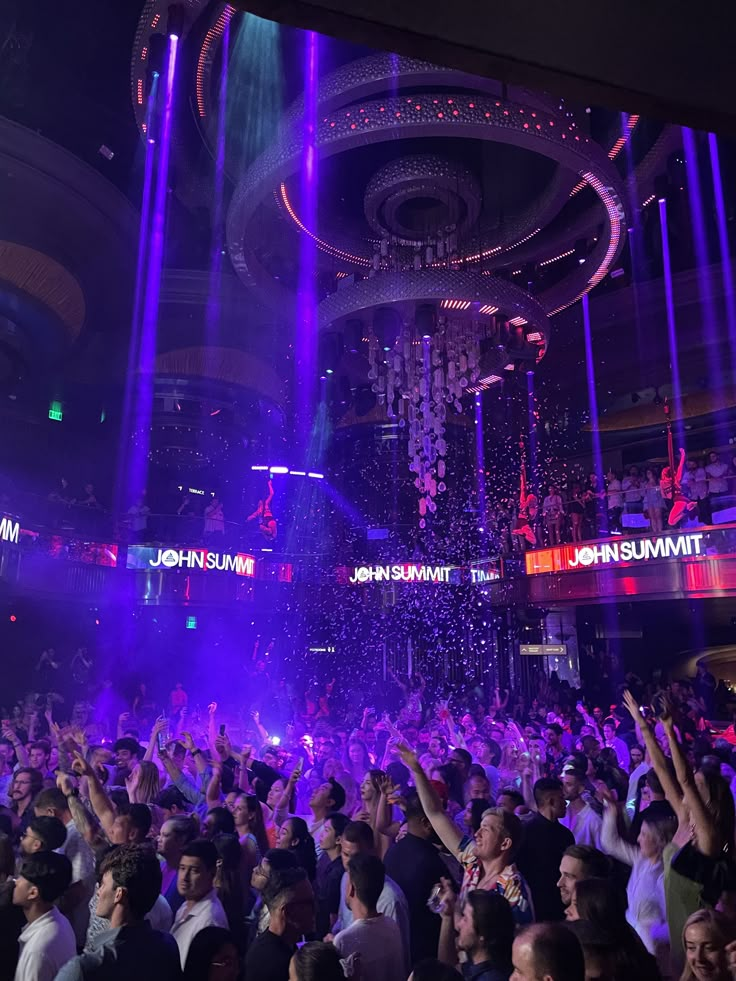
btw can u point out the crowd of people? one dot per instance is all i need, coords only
(585, 508)
(477, 836)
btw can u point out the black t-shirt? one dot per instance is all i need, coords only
(327, 889)
(268, 958)
(538, 860)
(415, 865)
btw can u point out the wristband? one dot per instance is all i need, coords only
(195, 751)
(74, 792)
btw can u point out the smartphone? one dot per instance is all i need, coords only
(222, 729)
(161, 740)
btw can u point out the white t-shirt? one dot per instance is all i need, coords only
(45, 947)
(378, 943)
(392, 903)
(586, 826)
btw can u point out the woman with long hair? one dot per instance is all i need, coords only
(706, 935)
(602, 903)
(508, 768)
(144, 783)
(250, 828)
(356, 758)
(294, 836)
(229, 885)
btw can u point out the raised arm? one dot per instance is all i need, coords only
(680, 468)
(20, 751)
(447, 830)
(158, 726)
(709, 839)
(281, 811)
(101, 803)
(611, 842)
(672, 791)
(214, 787)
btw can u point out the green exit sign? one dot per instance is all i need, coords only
(56, 411)
(191, 623)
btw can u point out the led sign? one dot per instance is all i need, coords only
(614, 553)
(9, 530)
(407, 572)
(191, 559)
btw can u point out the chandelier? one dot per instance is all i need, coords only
(419, 380)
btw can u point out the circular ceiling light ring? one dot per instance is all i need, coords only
(422, 175)
(380, 122)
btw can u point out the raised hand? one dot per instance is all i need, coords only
(447, 898)
(633, 708)
(408, 756)
(64, 783)
(188, 740)
(131, 781)
(212, 708)
(81, 766)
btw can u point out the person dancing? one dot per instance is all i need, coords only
(670, 482)
(267, 524)
(527, 513)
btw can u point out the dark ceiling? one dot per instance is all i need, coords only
(673, 62)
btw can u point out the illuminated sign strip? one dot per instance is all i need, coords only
(9, 530)
(611, 554)
(190, 560)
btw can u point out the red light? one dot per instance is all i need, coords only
(13, 617)
(471, 105)
(440, 115)
(526, 125)
(417, 108)
(97, 622)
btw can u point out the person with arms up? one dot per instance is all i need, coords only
(196, 883)
(131, 948)
(290, 901)
(487, 859)
(47, 941)
(372, 938)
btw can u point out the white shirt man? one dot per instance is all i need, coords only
(47, 941)
(45, 947)
(201, 907)
(372, 937)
